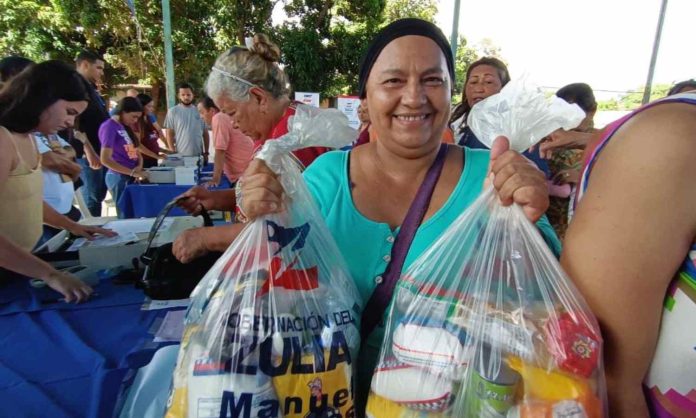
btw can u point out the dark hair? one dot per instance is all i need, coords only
(11, 66)
(128, 105)
(89, 56)
(680, 85)
(580, 94)
(35, 89)
(463, 108)
(208, 103)
(144, 99)
(395, 30)
(146, 126)
(184, 86)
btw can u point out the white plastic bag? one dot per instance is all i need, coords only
(523, 114)
(486, 323)
(273, 328)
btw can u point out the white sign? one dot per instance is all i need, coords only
(349, 106)
(311, 99)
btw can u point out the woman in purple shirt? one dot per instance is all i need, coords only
(119, 151)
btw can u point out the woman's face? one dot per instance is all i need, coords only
(409, 94)
(363, 116)
(130, 118)
(483, 81)
(248, 116)
(60, 115)
(149, 108)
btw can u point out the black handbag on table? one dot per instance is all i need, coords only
(165, 277)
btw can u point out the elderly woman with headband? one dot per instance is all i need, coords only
(247, 84)
(364, 195)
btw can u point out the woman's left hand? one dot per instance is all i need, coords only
(89, 232)
(190, 245)
(518, 180)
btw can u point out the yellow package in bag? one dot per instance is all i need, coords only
(316, 387)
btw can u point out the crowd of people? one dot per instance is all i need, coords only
(622, 205)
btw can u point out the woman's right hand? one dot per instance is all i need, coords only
(72, 288)
(194, 199)
(262, 192)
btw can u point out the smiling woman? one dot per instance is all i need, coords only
(367, 194)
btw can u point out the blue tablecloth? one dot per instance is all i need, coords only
(63, 360)
(147, 200)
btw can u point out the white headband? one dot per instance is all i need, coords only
(234, 77)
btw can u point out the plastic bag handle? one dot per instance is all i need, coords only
(163, 215)
(379, 300)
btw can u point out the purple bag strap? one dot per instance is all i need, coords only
(377, 305)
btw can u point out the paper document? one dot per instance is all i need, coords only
(153, 305)
(172, 327)
(136, 226)
(102, 241)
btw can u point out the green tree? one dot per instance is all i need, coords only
(132, 40)
(487, 48)
(322, 42)
(634, 99)
(399, 9)
(611, 104)
(37, 30)
(465, 56)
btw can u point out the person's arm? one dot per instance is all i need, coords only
(23, 262)
(108, 161)
(68, 151)
(206, 141)
(158, 128)
(561, 139)
(56, 220)
(197, 242)
(222, 131)
(146, 151)
(169, 137)
(630, 233)
(60, 164)
(218, 165)
(90, 154)
(197, 196)
(168, 131)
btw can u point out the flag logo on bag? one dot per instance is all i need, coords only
(286, 276)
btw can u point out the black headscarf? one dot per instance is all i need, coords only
(397, 29)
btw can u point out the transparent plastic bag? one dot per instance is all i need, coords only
(272, 330)
(523, 113)
(485, 323)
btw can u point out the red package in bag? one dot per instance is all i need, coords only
(574, 346)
